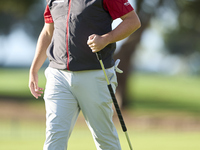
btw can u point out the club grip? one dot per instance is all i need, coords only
(117, 108)
(99, 57)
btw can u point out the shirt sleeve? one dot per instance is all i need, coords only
(47, 15)
(117, 8)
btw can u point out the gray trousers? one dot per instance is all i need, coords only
(67, 93)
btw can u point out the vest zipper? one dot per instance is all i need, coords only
(67, 34)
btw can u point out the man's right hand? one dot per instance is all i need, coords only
(40, 56)
(33, 85)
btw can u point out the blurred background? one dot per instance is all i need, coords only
(159, 91)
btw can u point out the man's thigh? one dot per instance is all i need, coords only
(61, 110)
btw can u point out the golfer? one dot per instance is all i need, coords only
(73, 32)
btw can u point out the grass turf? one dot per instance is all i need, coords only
(148, 93)
(23, 136)
(14, 83)
(145, 92)
(161, 93)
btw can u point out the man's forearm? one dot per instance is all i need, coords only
(40, 54)
(129, 25)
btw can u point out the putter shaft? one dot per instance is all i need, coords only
(114, 101)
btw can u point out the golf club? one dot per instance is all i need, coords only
(99, 57)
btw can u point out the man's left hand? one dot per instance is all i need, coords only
(96, 42)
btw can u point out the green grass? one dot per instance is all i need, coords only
(148, 94)
(14, 83)
(145, 91)
(156, 92)
(23, 136)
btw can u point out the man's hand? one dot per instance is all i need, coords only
(96, 42)
(129, 25)
(33, 85)
(40, 56)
